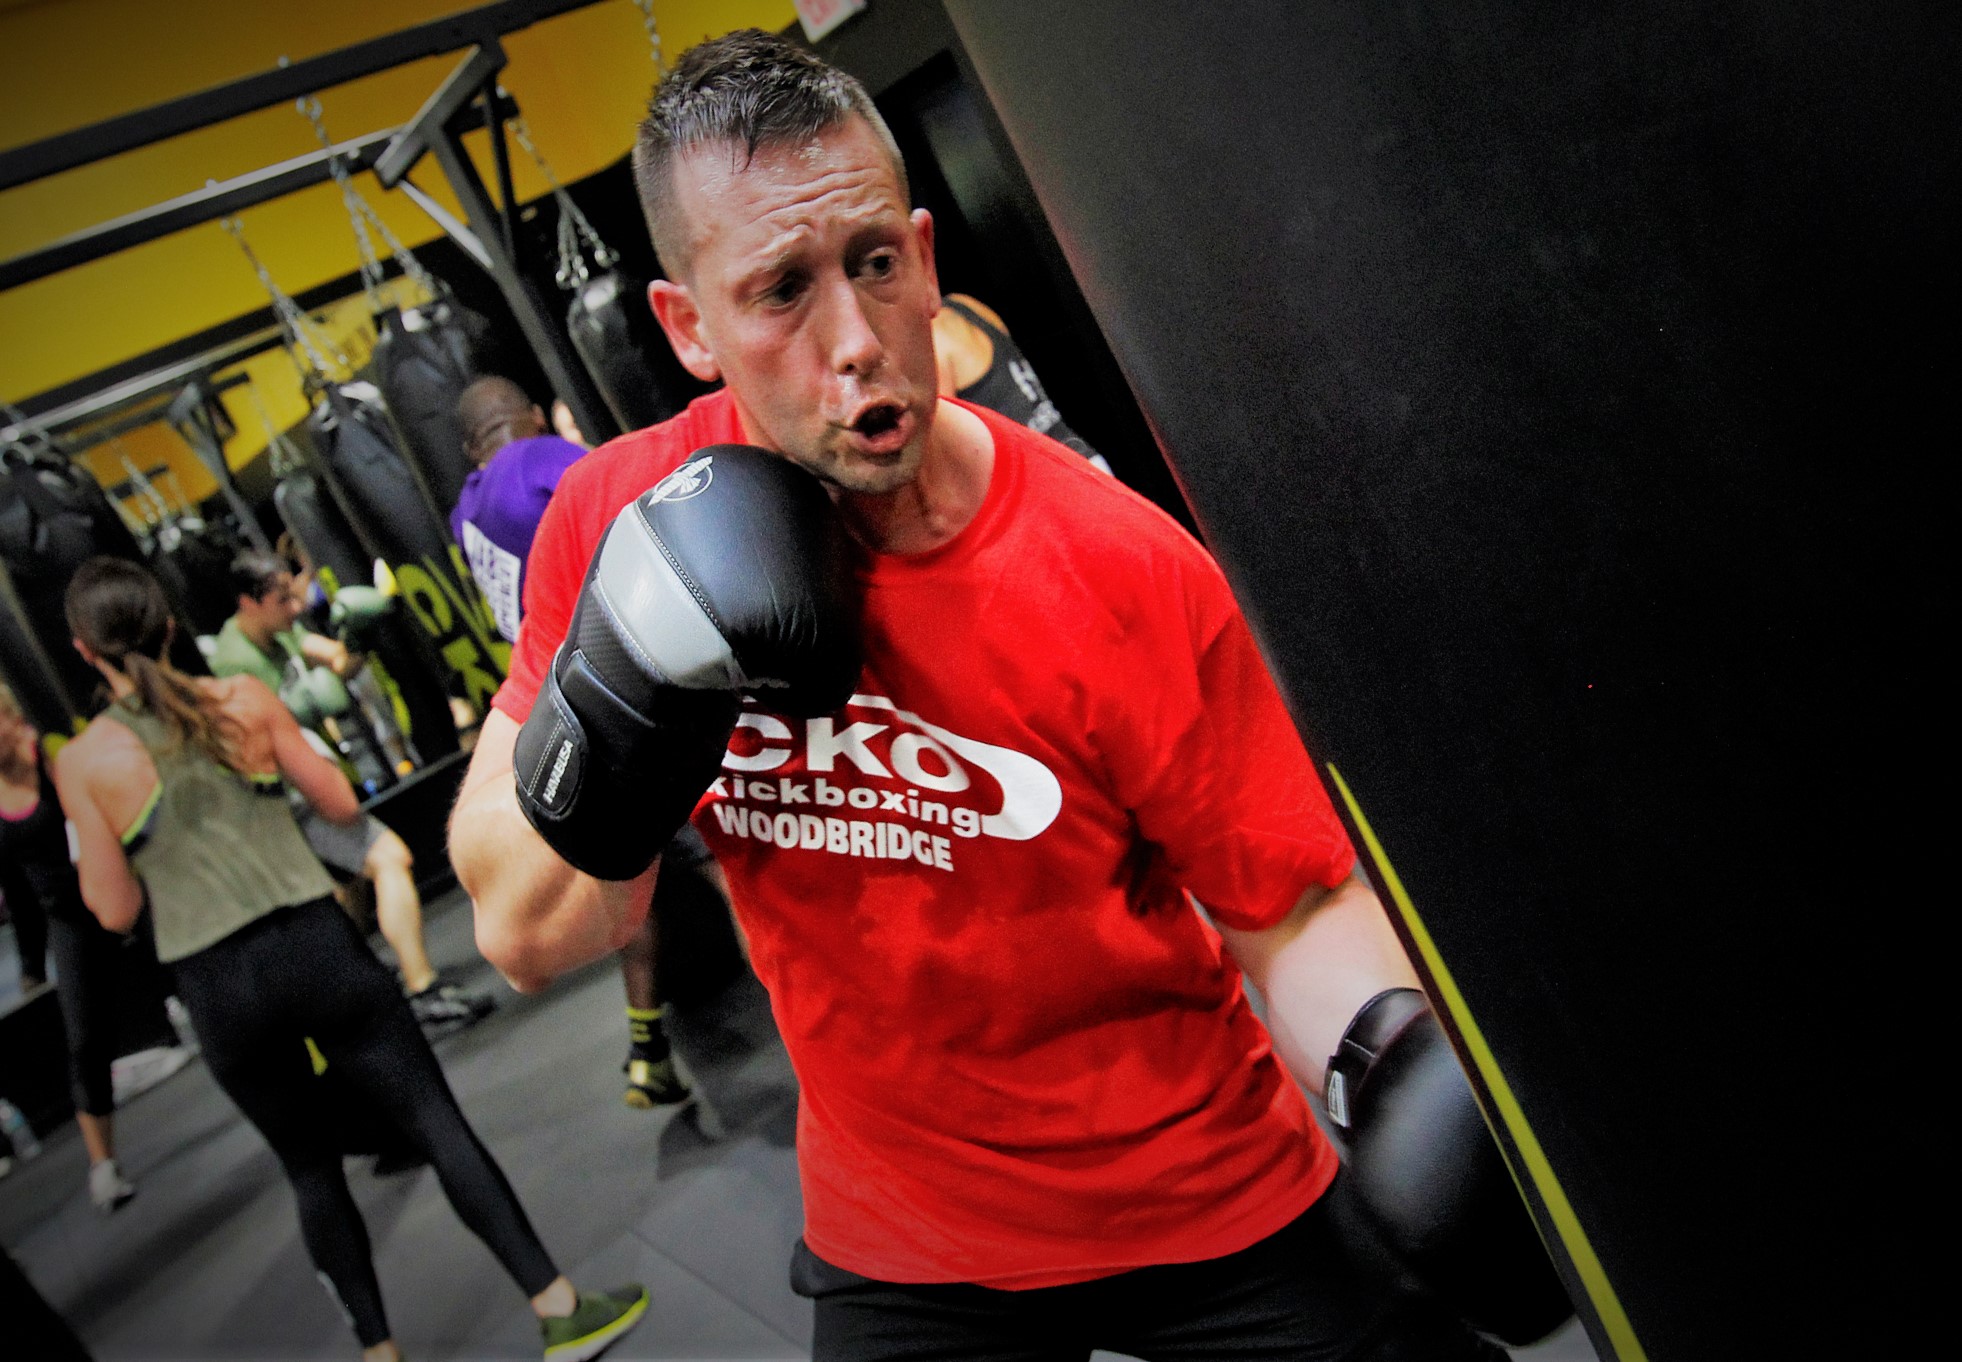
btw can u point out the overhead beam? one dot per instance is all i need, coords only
(452, 97)
(189, 210)
(140, 387)
(113, 136)
(210, 203)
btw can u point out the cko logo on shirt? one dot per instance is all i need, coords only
(887, 787)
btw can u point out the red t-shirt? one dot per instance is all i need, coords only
(1023, 1058)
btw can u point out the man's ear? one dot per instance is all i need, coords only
(923, 230)
(674, 308)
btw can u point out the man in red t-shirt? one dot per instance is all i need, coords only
(1038, 1115)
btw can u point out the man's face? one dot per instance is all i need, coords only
(811, 292)
(274, 608)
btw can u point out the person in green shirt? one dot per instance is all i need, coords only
(264, 639)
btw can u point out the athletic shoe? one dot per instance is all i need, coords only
(653, 1083)
(180, 1022)
(442, 1006)
(108, 1188)
(593, 1325)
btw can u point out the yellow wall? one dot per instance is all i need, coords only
(581, 79)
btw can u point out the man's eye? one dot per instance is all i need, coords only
(881, 266)
(784, 291)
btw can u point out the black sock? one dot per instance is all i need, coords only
(646, 1039)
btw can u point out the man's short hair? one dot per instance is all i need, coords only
(255, 572)
(747, 89)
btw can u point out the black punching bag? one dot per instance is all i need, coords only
(1558, 386)
(623, 348)
(54, 518)
(26, 667)
(383, 502)
(424, 357)
(330, 542)
(194, 565)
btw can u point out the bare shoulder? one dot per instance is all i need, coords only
(974, 304)
(105, 746)
(240, 696)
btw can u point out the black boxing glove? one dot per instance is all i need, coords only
(732, 574)
(1426, 1174)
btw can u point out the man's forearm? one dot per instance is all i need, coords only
(1318, 967)
(536, 916)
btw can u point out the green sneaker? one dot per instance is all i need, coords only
(594, 1324)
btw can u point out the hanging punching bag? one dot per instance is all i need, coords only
(193, 561)
(378, 493)
(54, 518)
(330, 542)
(424, 358)
(26, 667)
(622, 347)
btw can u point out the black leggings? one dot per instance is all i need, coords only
(87, 964)
(1296, 1296)
(303, 972)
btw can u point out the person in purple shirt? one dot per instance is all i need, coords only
(518, 464)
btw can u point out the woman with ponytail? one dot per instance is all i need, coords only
(176, 794)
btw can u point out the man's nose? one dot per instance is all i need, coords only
(855, 347)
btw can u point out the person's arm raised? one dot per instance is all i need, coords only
(730, 575)
(537, 917)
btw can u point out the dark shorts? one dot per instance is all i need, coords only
(342, 848)
(1294, 1295)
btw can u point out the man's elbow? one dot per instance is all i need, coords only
(515, 950)
(116, 912)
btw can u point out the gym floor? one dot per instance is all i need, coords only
(206, 1262)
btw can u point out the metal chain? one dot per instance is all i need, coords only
(300, 329)
(574, 228)
(279, 450)
(646, 8)
(364, 217)
(371, 270)
(411, 266)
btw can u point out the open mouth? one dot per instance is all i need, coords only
(882, 428)
(879, 420)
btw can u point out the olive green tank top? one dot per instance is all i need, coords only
(218, 851)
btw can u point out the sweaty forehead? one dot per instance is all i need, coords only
(843, 177)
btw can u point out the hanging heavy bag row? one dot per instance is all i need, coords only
(425, 355)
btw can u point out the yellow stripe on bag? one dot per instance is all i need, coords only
(1607, 1306)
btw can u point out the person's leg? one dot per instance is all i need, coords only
(1297, 1294)
(84, 959)
(30, 940)
(364, 1027)
(857, 1319)
(651, 1077)
(252, 1045)
(390, 868)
